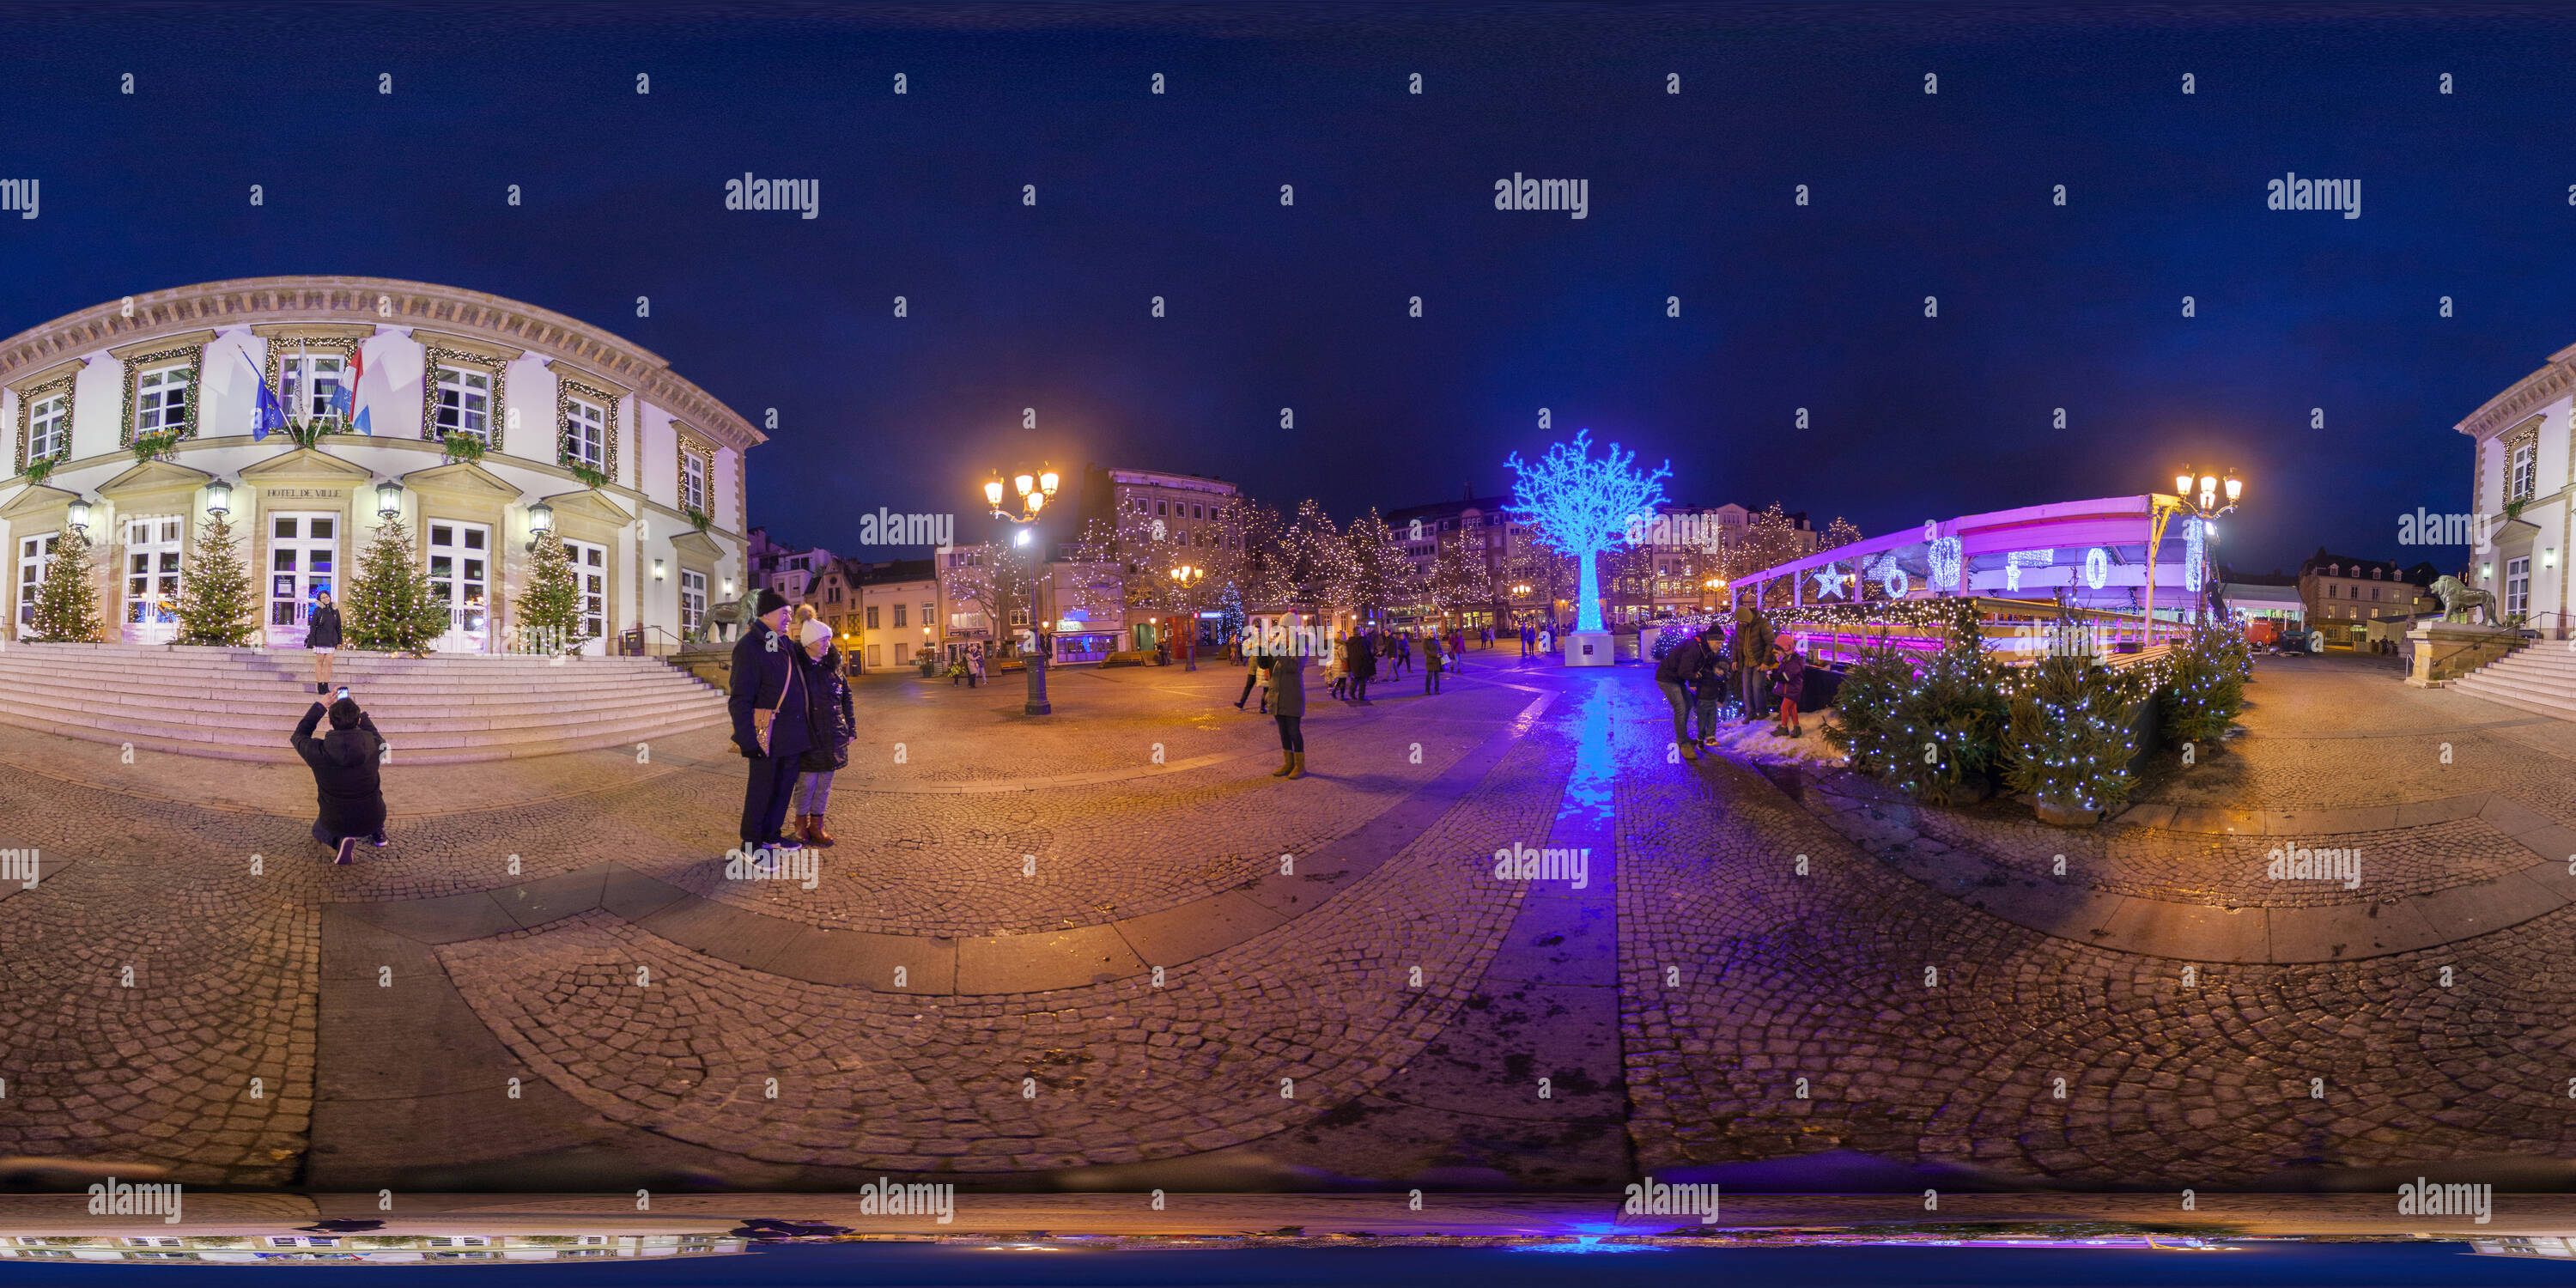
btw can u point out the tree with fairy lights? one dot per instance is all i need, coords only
(2069, 742)
(2204, 685)
(215, 604)
(1581, 505)
(65, 610)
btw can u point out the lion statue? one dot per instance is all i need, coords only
(2458, 597)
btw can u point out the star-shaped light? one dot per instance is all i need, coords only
(1830, 580)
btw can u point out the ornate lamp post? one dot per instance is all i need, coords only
(1185, 578)
(1033, 492)
(2196, 497)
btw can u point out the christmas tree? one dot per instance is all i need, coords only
(390, 606)
(549, 611)
(2205, 686)
(66, 608)
(215, 601)
(2070, 742)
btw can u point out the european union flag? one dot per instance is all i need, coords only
(271, 413)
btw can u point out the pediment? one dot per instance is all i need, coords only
(152, 477)
(461, 477)
(37, 498)
(588, 504)
(305, 464)
(694, 542)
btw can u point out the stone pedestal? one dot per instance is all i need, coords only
(2445, 651)
(1589, 648)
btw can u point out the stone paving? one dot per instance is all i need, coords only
(1104, 965)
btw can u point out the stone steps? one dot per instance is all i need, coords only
(2540, 679)
(241, 704)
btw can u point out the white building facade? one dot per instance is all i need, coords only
(656, 545)
(2520, 475)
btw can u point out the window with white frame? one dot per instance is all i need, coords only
(585, 433)
(898, 617)
(2517, 586)
(2519, 477)
(464, 403)
(49, 426)
(161, 401)
(309, 384)
(693, 599)
(693, 481)
(33, 554)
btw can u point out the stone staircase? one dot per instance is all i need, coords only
(2539, 678)
(240, 704)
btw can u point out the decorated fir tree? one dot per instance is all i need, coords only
(66, 607)
(549, 612)
(2070, 739)
(390, 606)
(215, 603)
(2204, 686)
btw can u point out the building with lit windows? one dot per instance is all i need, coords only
(2339, 590)
(477, 419)
(2522, 492)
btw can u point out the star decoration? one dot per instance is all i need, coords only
(1830, 581)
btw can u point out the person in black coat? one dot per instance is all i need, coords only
(1689, 669)
(767, 694)
(322, 635)
(1363, 664)
(832, 723)
(345, 784)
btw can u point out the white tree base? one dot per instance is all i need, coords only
(1589, 648)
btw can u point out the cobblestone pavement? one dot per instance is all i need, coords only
(1393, 1025)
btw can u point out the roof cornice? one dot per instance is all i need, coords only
(260, 300)
(2514, 404)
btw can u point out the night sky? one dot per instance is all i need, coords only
(2464, 195)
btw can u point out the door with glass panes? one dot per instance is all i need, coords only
(151, 592)
(590, 573)
(460, 572)
(34, 552)
(303, 557)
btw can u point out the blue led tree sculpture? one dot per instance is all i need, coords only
(1581, 504)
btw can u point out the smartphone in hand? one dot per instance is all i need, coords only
(343, 691)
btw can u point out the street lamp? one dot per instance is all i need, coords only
(77, 515)
(1033, 492)
(219, 498)
(1185, 577)
(388, 499)
(2197, 496)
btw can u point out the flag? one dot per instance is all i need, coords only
(270, 414)
(344, 396)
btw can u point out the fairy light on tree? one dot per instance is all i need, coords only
(1581, 505)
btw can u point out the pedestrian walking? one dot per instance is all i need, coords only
(322, 637)
(349, 796)
(767, 695)
(833, 724)
(1404, 650)
(1363, 664)
(1690, 665)
(1431, 666)
(1288, 707)
(1251, 674)
(1791, 675)
(974, 664)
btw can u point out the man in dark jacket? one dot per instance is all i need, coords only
(1753, 641)
(767, 694)
(1690, 666)
(345, 785)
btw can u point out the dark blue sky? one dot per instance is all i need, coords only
(2464, 195)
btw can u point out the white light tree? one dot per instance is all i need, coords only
(1581, 505)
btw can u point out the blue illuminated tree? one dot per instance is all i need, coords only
(1581, 506)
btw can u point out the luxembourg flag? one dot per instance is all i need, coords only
(344, 396)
